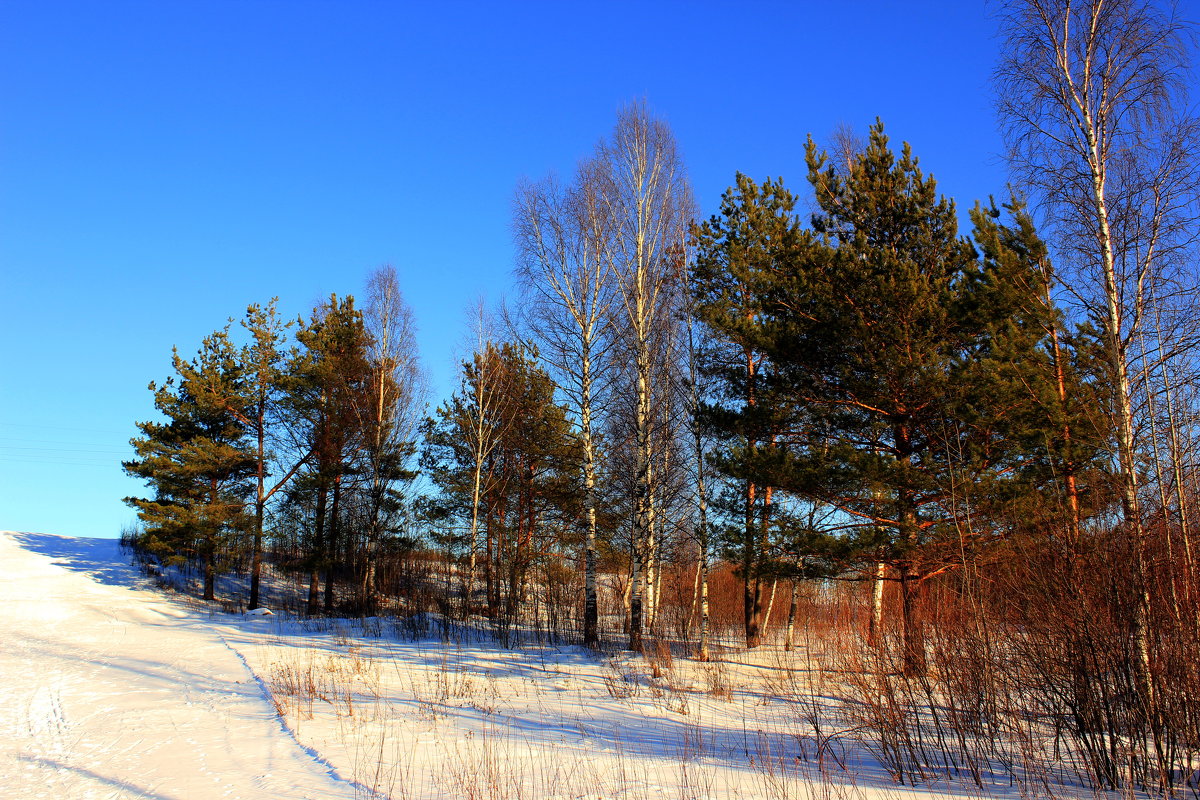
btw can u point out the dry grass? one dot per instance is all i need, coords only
(338, 679)
(426, 719)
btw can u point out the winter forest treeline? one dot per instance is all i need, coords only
(966, 458)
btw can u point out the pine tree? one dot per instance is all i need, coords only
(327, 390)
(261, 364)
(737, 254)
(198, 462)
(879, 330)
(1055, 426)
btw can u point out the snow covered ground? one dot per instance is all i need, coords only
(110, 688)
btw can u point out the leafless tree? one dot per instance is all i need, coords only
(561, 234)
(649, 203)
(489, 421)
(397, 395)
(694, 391)
(1092, 99)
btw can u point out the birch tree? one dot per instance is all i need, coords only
(485, 405)
(561, 233)
(695, 391)
(648, 201)
(1092, 97)
(395, 399)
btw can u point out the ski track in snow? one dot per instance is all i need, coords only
(109, 690)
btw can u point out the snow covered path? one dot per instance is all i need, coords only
(110, 691)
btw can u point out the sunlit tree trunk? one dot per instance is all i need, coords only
(1096, 115)
(650, 205)
(789, 640)
(875, 626)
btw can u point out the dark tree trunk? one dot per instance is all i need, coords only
(914, 633)
(331, 555)
(910, 576)
(256, 557)
(259, 504)
(210, 579)
(752, 599)
(318, 552)
(751, 585)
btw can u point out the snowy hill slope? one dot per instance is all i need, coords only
(109, 690)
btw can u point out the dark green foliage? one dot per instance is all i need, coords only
(328, 397)
(901, 377)
(262, 362)
(1053, 428)
(198, 462)
(739, 253)
(890, 332)
(530, 491)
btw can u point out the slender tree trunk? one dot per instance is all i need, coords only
(1177, 475)
(1161, 482)
(648, 204)
(694, 380)
(331, 558)
(626, 600)
(791, 618)
(260, 503)
(368, 593)
(473, 537)
(256, 554)
(1114, 333)
(317, 554)
(591, 609)
(366, 583)
(756, 522)
(490, 414)
(703, 566)
(694, 606)
(650, 567)
(875, 625)
(210, 578)
(489, 568)
(910, 576)
(1068, 466)
(643, 530)
(766, 623)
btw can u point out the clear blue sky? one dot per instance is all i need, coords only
(163, 164)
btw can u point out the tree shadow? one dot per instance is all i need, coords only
(99, 559)
(115, 783)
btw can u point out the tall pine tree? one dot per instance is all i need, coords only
(738, 253)
(878, 330)
(327, 393)
(198, 462)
